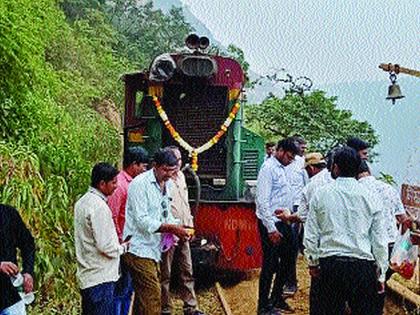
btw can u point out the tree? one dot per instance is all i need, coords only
(145, 32)
(314, 116)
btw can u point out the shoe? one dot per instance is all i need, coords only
(196, 312)
(289, 290)
(283, 307)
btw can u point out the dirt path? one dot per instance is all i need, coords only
(242, 297)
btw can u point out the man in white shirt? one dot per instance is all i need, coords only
(361, 147)
(344, 240)
(274, 192)
(97, 247)
(298, 178)
(270, 148)
(392, 210)
(148, 215)
(319, 174)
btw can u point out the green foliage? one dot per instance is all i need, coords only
(44, 203)
(314, 116)
(78, 9)
(387, 178)
(58, 62)
(144, 32)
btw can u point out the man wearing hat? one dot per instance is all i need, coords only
(319, 175)
(314, 163)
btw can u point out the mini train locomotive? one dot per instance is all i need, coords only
(193, 100)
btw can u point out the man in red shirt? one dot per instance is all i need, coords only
(134, 163)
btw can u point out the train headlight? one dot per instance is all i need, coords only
(163, 68)
(198, 66)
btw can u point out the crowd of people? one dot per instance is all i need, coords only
(135, 223)
(132, 225)
(343, 218)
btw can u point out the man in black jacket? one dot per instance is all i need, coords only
(14, 235)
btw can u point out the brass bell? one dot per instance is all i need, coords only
(394, 92)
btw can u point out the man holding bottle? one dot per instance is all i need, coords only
(14, 235)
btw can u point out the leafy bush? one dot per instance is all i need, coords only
(58, 62)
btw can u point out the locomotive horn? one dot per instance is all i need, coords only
(204, 42)
(192, 41)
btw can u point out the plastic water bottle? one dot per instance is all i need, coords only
(17, 282)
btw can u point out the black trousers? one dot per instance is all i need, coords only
(315, 302)
(276, 261)
(294, 251)
(347, 279)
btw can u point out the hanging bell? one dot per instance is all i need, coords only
(394, 92)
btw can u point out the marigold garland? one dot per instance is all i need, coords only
(194, 152)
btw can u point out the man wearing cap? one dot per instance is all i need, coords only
(135, 162)
(314, 163)
(316, 167)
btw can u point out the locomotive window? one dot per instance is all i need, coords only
(145, 109)
(139, 102)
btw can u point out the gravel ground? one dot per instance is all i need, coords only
(241, 292)
(242, 297)
(208, 302)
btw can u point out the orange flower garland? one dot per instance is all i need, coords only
(194, 152)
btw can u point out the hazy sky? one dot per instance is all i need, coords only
(326, 40)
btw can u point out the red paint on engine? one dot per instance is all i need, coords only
(235, 228)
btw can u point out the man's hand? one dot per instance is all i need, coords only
(181, 232)
(125, 246)
(314, 271)
(8, 268)
(406, 223)
(28, 283)
(275, 237)
(281, 214)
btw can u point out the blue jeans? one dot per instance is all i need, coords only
(15, 309)
(123, 292)
(99, 299)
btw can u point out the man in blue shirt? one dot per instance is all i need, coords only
(274, 192)
(147, 216)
